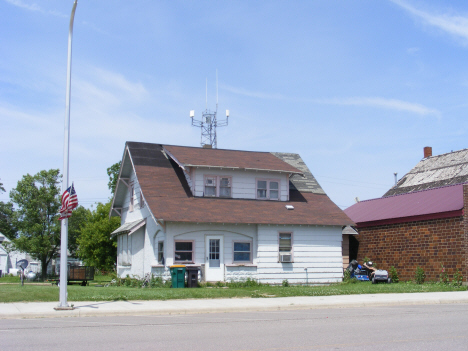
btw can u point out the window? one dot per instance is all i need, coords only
(285, 242)
(161, 252)
(124, 244)
(242, 252)
(267, 189)
(217, 186)
(210, 186)
(285, 248)
(225, 187)
(183, 251)
(132, 194)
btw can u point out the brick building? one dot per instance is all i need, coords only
(421, 221)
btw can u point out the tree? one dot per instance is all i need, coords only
(95, 246)
(113, 173)
(7, 213)
(76, 222)
(38, 201)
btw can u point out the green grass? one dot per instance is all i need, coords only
(32, 292)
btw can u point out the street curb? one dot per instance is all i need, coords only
(181, 307)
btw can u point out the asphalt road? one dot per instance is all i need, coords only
(425, 327)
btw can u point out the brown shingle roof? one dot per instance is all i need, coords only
(168, 195)
(196, 156)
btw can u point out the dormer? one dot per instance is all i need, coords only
(234, 174)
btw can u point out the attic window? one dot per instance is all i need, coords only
(218, 186)
(267, 189)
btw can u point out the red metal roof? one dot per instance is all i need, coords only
(426, 202)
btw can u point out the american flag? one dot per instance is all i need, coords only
(69, 202)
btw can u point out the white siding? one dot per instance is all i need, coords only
(243, 182)
(316, 248)
(144, 256)
(198, 232)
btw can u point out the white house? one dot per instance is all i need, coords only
(235, 214)
(8, 259)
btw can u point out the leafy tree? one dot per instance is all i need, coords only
(7, 212)
(113, 173)
(76, 222)
(95, 247)
(38, 201)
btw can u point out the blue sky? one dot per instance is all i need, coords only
(357, 88)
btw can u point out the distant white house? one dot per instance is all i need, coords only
(235, 214)
(8, 260)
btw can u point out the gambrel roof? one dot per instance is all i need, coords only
(434, 172)
(169, 198)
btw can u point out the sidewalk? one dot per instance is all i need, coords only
(135, 308)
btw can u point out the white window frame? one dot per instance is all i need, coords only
(217, 185)
(268, 189)
(291, 248)
(234, 252)
(124, 250)
(192, 251)
(132, 195)
(160, 252)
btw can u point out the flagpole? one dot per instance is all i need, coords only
(66, 152)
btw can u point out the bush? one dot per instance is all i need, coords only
(419, 276)
(247, 283)
(443, 277)
(394, 275)
(457, 278)
(285, 283)
(346, 276)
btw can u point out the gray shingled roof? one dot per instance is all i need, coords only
(434, 172)
(306, 183)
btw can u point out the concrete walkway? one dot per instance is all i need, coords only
(135, 308)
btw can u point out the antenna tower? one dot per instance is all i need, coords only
(209, 121)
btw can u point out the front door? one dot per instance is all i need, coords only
(214, 263)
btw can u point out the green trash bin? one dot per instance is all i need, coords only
(178, 276)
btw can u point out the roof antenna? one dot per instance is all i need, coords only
(209, 121)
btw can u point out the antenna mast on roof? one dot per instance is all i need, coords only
(209, 121)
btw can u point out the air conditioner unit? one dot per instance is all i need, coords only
(285, 257)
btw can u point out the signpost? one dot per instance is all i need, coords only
(22, 264)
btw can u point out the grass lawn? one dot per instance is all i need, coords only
(31, 292)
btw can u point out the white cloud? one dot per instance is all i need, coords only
(34, 7)
(392, 104)
(452, 24)
(253, 94)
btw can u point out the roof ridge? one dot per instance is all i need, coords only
(447, 153)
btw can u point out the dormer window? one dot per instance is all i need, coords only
(210, 186)
(218, 186)
(267, 189)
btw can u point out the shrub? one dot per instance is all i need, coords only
(457, 278)
(394, 275)
(247, 283)
(419, 276)
(285, 283)
(346, 276)
(443, 275)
